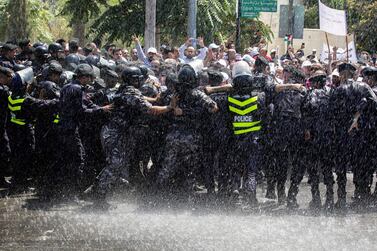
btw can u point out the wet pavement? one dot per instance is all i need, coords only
(28, 224)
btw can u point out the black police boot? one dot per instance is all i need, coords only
(3, 183)
(315, 203)
(270, 194)
(292, 201)
(341, 204)
(282, 198)
(252, 199)
(329, 203)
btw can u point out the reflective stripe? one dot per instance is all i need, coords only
(246, 124)
(243, 112)
(15, 101)
(15, 105)
(18, 121)
(15, 108)
(56, 120)
(243, 103)
(253, 129)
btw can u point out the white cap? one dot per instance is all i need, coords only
(254, 52)
(335, 73)
(152, 50)
(306, 63)
(213, 46)
(314, 50)
(273, 50)
(248, 59)
(225, 76)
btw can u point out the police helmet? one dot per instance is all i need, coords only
(132, 75)
(93, 60)
(51, 90)
(41, 52)
(241, 68)
(319, 77)
(55, 47)
(188, 75)
(72, 58)
(144, 71)
(21, 79)
(84, 70)
(368, 71)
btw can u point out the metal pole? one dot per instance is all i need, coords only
(192, 10)
(290, 19)
(238, 29)
(346, 11)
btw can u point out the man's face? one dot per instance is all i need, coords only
(86, 80)
(216, 54)
(126, 53)
(231, 54)
(151, 56)
(11, 54)
(190, 52)
(5, 80)
(155, 66)
(54, 77)
(118, 55)
(134, 54)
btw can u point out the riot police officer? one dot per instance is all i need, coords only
(318, 136)
(348, 103)
(182, 154)
(287, 131)
(23, 111)
(75, 107)
(6, 75)
(129, 104)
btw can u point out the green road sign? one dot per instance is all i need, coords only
(256, 6)
(249, 14)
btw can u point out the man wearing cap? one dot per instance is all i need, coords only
(75, 108)
(151, 53)
(9, 56)
(6, 75)
(213, 56)
(350, 104)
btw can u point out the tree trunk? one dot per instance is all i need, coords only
(79, 32)
(17, 26)
(150, 24)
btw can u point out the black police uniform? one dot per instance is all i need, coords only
(47, 138)
(4, 141)
(24, 109)
(74, 108)
(287, 135)
(346, 100)
(119, 147)
(183, 148)
(319, 152)
(248, 108)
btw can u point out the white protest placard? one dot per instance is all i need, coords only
(332, 21)
(341, 54)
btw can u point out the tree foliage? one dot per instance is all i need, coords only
(215, 21)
